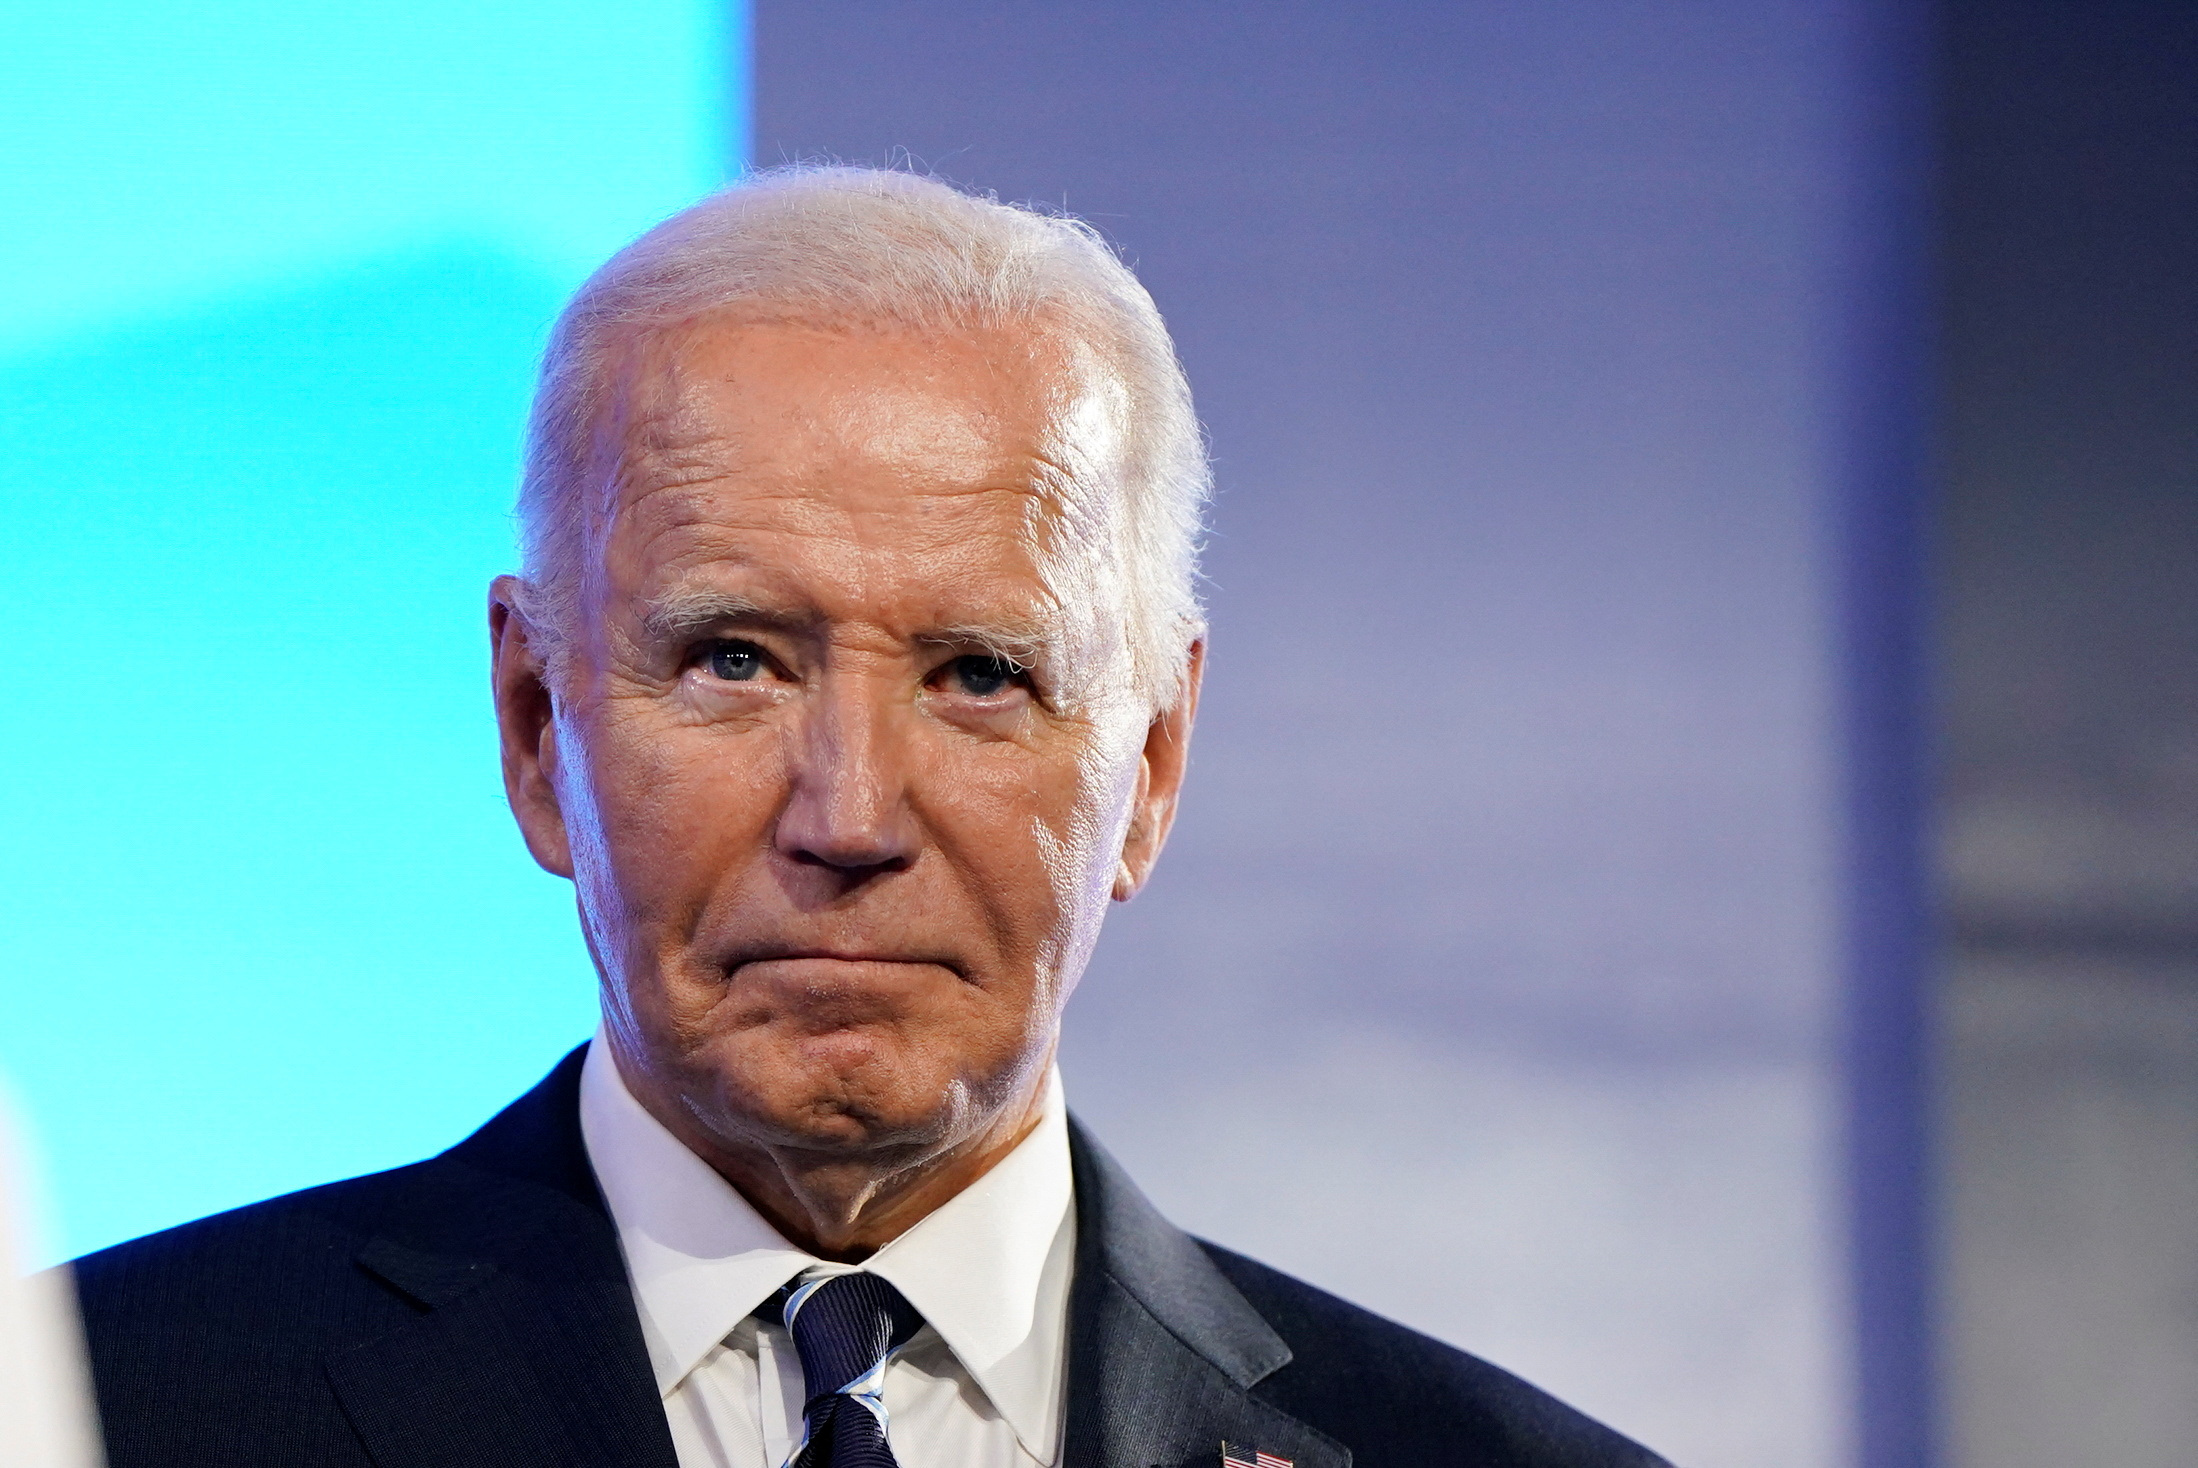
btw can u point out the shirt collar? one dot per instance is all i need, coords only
(989, 1269)
(701, 1258)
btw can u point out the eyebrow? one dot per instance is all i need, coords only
(1025, 646)
(685, 611)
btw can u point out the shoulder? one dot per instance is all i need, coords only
(1394, 1395)
(267, 1272)
(301, 1257)
(206, 1342)
(213, 1343)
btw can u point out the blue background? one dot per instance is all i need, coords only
(271, 291)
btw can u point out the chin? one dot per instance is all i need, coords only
(837, 1094)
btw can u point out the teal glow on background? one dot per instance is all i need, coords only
(271, 290)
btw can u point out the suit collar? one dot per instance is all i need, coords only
(1163, 1350)
(526, 1351)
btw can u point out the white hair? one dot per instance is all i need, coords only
(842, 244)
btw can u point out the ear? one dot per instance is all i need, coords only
(1160, 780)
(526, 721)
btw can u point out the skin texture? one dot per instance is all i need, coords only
(840, 864)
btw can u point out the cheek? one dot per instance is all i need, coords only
(671, 811)
(1080, 845)
(1082, 811)
(1010, 838)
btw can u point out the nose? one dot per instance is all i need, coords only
(847, 809)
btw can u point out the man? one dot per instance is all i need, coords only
(850, 679)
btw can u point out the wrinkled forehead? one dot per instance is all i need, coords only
(1007, 441)
(1025, 404)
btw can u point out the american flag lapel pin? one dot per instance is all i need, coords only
(1237, 1455)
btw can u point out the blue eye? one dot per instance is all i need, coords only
(735, 662)
(983, 675)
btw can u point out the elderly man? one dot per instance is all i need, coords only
(849, 680)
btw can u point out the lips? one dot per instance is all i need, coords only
(772, 954)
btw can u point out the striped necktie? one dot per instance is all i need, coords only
(846, 1327)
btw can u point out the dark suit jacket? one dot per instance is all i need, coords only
(472, 1311)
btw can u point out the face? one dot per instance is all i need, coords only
(846, 765)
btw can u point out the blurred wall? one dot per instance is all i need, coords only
(1496, 974)
(271, 288)
(2070, 698)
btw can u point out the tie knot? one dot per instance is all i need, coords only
(844, 1326)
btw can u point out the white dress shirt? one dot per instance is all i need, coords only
(980, 1385)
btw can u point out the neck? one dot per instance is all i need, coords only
(847, 1205)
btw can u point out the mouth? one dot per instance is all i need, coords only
(826, 959)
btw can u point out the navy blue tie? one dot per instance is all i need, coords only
(845, 1326)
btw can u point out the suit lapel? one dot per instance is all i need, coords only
(526, 1349)
(1163, 1350)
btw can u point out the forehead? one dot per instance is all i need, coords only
(861, 458)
